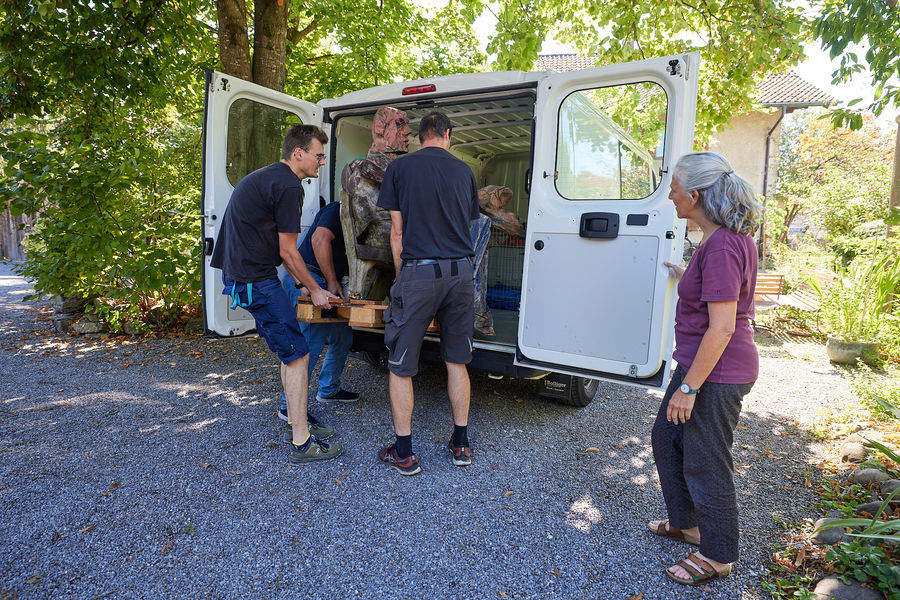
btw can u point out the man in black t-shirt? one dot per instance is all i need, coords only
(432, 198)
(259, 232)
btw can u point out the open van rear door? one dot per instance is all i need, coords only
(243, 129)
(596, 298)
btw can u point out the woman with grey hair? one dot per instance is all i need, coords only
(717, 365)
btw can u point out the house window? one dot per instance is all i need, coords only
(255, 134)
(608, 141)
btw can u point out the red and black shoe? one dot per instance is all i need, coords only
(406, 466)
(461, 455)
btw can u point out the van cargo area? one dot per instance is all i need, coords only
(493, 135)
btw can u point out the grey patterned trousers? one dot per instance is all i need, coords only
(695, 467)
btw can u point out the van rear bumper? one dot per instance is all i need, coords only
(494, 362)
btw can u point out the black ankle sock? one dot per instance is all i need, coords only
(302, 447)
(460, 435)
(404, 445)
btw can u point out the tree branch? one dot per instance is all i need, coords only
(295, 35)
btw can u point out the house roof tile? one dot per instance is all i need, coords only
(787, 88)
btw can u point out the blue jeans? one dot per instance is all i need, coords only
(337, 336)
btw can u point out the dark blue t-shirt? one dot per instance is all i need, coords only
(265, 203)
(438, 198)
(330, 218)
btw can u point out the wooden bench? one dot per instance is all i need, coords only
(768, 287)
(805, 297)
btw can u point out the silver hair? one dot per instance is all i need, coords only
(727, 198)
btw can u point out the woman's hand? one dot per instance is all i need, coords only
(680, 407)
(675, 271)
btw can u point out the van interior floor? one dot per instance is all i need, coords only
(506, 328)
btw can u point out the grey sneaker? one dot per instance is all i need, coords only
(315, 450)
(341, 395)
(320, 430)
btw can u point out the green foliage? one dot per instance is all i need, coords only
(739, 42)
(785, 584)
(875, 25)
(119, 209)
(849, 247)
(854, 305)
(842, 176)
(867, 564)
(879, 392)
(843, 498)
(354, 44)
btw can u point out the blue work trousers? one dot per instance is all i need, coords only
(337, 336)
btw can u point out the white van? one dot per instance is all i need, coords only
(588, 155)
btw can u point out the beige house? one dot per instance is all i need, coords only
(749, 141)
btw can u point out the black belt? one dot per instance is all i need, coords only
(430, 261)
(435, 263)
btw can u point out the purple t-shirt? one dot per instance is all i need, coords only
(723, 269)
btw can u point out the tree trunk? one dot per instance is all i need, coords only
(234, 41)
(269, 47)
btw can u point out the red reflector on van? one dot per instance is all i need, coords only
(419, 89)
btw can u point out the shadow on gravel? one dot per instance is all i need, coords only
(156, 469)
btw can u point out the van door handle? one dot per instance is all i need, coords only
(599, 225)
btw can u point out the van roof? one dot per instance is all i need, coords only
(445, 84)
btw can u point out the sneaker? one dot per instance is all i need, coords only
(282, 412)
(315, 450)
(320, 430)
(341, 395)
(461, 455)
(406, 466)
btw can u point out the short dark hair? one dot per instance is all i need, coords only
(434, 125)
(300, 136)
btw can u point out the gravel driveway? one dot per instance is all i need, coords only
(154, 469)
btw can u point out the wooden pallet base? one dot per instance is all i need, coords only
(356, 313)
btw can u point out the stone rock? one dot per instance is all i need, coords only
(853, 452)
(869, 507)
(156, 315)
(86, 326)
(865, 476)
(827, 537)
(63, 322)
(832, 588)
(854, 437)
(194, 324)
(888, 487)
(129, 329)
(69, 304)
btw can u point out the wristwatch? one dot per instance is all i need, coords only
(686, 389)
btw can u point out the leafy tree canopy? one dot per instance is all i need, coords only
(740, 41)
(875, 26)
(840, 175)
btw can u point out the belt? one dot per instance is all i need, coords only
(436, 264)
(431, 261)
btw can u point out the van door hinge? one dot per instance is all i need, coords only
(674, 67)
(632, 370)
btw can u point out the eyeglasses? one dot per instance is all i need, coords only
(319, 157)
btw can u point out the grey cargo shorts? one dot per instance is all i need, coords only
(444, 289)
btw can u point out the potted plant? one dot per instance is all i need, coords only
(854, 305)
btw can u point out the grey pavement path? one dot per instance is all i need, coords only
(153, 468)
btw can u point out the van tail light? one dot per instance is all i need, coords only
(419, 89)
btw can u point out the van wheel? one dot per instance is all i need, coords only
(583, 391)
(376, 359)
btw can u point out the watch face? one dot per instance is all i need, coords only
(685, 388)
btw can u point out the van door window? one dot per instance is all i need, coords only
(255, 134)
(608, 142)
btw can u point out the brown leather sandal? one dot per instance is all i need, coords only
(663, 529)
(693, 565)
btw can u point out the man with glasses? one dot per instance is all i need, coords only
(258, 233)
